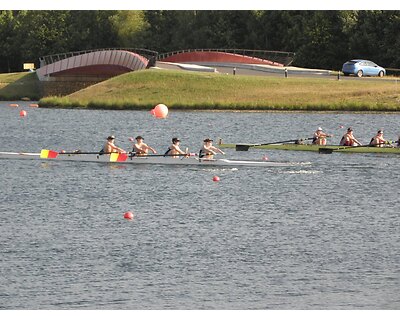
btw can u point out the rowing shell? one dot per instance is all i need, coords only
(315, 148)
(146, 160)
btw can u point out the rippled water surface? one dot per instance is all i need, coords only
(322, 234)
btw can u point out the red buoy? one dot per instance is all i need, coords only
(22, 113)
(160, 111)
(128, 215)
(216, 179)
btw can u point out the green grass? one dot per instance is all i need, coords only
(14, 86)
(205, 91)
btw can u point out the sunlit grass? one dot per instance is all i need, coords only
(193, 90)
(14, 86)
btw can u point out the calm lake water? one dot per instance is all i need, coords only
(323, 234)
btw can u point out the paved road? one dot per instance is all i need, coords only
(279, 72)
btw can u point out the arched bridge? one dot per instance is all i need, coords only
(99, 63)
(238, 56)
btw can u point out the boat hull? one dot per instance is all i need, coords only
(144, 160)
(315, 148)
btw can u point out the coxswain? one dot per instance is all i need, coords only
(319, 137)
(349, 140)
(140, 148)
(379, 141)
(174, 149)
(110, 147)
(208, 150)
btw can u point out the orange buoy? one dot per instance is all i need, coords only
(160, 111)
(128, 215)
(14, 105)
(34, 105)
(216, 179)
(22, 113)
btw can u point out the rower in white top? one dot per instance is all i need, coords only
(319, 137)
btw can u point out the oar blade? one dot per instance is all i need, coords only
(118, 157)
(242, 147)
(325, 150)
(48, 154)
(245, 147)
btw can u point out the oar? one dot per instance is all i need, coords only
(245, 147)
(338, 149)
(162, 155)
(51, 154)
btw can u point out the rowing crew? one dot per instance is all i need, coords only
(142, 149)
(348, 139)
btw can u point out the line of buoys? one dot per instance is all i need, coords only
(15, 105)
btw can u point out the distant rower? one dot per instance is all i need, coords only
(174, 148)
(319, 137)
(140, 148)
(348, 139)
(379, 141)
(208, 150)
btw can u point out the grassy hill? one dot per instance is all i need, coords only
(195, 91)
(14, 86)
(208, 91)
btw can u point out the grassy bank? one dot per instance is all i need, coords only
(192, 90)
(14, 86)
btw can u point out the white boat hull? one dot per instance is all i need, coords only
(144, 160)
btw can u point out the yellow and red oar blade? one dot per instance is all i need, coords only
(118, 157)
(48, 154)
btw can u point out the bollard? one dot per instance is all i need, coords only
(338, 75)
(234, 71)
(286, 73)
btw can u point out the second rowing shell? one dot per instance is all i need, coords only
(316, 148)
(145, 160)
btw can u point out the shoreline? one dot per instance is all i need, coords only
(232, 110)
(205, 92)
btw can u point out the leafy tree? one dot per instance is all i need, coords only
(320, 39)
(90, 30)
(130, 27)
(42, 33)
(10, 55)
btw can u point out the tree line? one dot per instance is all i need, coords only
(320, 39)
